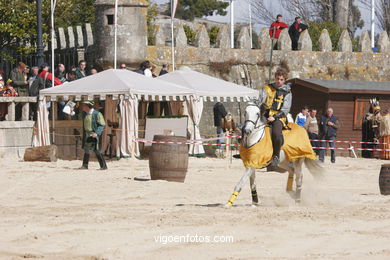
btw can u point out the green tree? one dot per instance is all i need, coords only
(213, 34)
(17, 26)
(315, 29)
(190, 9)
(190, 34)
(18, 22)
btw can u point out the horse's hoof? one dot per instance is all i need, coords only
(254, 205)
(227, 206)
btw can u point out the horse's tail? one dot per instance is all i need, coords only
(315, 168)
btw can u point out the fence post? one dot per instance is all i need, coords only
(26, 111)
(11, 111)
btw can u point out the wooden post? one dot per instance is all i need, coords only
(227, 149)
(26, 111)
(132, 160)
(11, 111)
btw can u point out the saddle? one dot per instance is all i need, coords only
(296, 145)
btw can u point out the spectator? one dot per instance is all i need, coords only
(93, 71)
(368, 135)
(143, 66)
(219, 113)
(164, 70)
(311, 127)
(80, 71)
(33, 75)
(46, 75)
(295, 30)
(123, 66)
(19, 81)
(6, 90)
(384, 133)
(301, 117)
(277, 27)
(148, 71)
(60, 72)
(71, 76)
(328, 131)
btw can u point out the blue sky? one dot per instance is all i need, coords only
(242, 11)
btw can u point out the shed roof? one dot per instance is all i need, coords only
(344, 86)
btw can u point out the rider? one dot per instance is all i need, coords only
(275, 100)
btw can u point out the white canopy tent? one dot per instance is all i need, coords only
(205, 86)
(123, 84)
(118, 82)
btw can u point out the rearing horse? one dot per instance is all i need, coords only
(254, 131)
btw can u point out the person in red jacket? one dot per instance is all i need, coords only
(45, 74)
(277, 27)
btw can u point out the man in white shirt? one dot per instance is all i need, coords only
(301, 117)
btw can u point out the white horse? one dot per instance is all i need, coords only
(254, 132)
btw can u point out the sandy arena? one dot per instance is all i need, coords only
(53, 211)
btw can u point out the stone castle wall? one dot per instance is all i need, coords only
(250, 67)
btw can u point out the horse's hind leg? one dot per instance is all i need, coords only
(238, 187)
(298, 179)
(284, 164)
(252, 179)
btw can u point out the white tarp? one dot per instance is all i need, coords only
(206, 86)
(41, 132)
(195, 109)
(129, 127)
(116, 82)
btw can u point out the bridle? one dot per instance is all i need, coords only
(257, 120)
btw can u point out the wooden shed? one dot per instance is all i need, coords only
(349, 100)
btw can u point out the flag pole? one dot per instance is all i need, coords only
(232, 24)
(250, 24)
(172, 38)
(53, 6)
(372, 23)
(115, 32)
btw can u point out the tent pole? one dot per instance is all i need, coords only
(115, 32)
(53, 119)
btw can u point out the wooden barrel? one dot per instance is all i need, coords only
(168, 161)
(384, 179)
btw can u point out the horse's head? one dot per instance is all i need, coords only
(253, 118)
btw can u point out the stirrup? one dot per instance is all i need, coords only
(275, 161)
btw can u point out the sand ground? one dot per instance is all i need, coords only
(53, 211)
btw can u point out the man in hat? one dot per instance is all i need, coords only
(93, 125)
(19, 82)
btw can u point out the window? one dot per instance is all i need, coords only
(110, 19)
(361, 108)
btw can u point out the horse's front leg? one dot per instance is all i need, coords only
(252, 179)
(298, 179)
(238, 187)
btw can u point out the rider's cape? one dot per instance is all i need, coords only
(296, 145)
